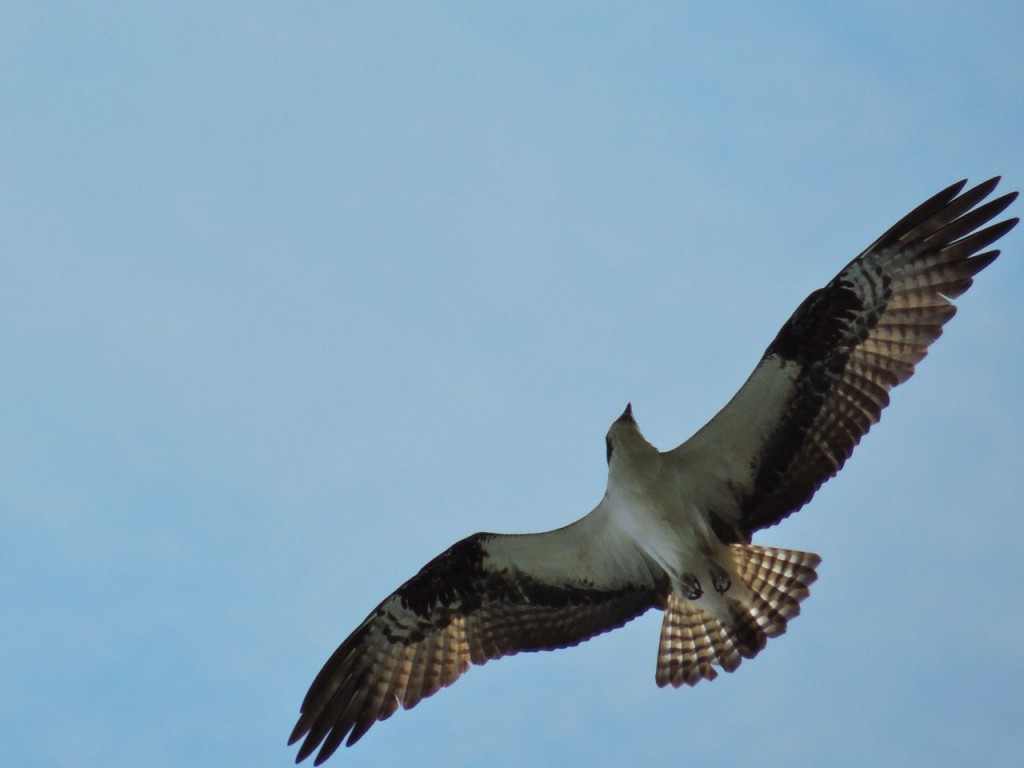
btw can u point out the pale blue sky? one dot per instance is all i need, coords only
(294, 296)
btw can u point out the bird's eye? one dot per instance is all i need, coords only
(608, 447)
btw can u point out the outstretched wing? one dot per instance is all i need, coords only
(487, 596)
(824, 380)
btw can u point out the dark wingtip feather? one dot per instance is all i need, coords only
(954, 189)
(994, 207)
(941, 199)
(982, 260)
(989, 235)
(929, 208)
(305, 751)
(1010, 197)
(984, 189)
(301, 728)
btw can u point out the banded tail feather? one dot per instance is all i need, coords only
(693, 641)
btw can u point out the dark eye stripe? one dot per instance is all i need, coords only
(608, 447)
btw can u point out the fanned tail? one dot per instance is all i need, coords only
(693, 641)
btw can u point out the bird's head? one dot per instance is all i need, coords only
(624, 442)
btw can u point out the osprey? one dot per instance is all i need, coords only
(674, 528)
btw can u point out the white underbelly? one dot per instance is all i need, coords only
(677, 538)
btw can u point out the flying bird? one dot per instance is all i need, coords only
(673, 530)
